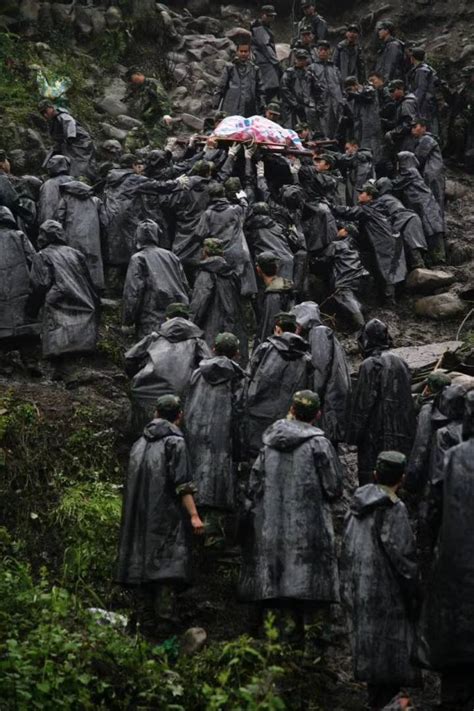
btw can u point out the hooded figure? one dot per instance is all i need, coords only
(81, 214)
(225, 220)
(382, 416)
(428, 153)
(155, 545)
(417, 196)
(378, 587)
(391, 59)
(266, 59)
(447, 623)
(327, 76)
(357, 170)
(331, 379)
(73, 141)
(58, 168)
(300, 94)
(289, 551)
(449, 434)
(278, 367)
(432, 416)
(60, 281)
(215, 304)
(365, 114)
(16, 255)
(404, 221)
(155, 279)
(123, 210)
(264, 234)
(212, 417)
(166, 361)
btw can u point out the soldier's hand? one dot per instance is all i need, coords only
(234, 149)
(197, 525)
(183, 180)
(260, 169)
(295, 166)
(249, 152)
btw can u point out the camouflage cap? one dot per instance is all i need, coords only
(302, 126)
(274, 108)
(437, 381)
(226, 341)
(168, 406)
(391, 462)
(177, 309)
(306, 402)
(214, 247)
(323, 44)
(260, 208)
(266, 258)
(45, 104)
(301, 54)
(369, 188)
(328, 158)
(396, 84)
(203, 168)
(285, 321)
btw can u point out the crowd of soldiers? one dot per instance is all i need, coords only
(242, 394)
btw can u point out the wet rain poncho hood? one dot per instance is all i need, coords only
(58, 165)
(148, 232)
(307, 315)
(374, 337)
(79, 190)
(159, 428)
(219, 370)
(51, 232)
(6, 218)
(180, 329)
(285, 435)
(367, 498)
(407, 162)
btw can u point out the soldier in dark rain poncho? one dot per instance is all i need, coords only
(81, 214)
(278, 295)
(158, 516)
(264, 52)
(278, 367)
(382, 414)
(391, 54)
(364, 114)
(289, 548)
(430, 418)
(70, 139)
(428, 153)
(16, 255)
(155, 279)
(348, 55)
(379, 584)
(58, 168)
(448, 616)
(60, 281)
(215, 305)
(331, 379)
(163, 362)
(212, 415)
(452, 405)
(404, 221)
(240, 89)
(417, 196)
(327, 76)
(265, 234)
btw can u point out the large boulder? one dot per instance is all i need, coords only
(128, 122)
(440, 307)
(192, 121)
(198, 7)
(428, 281)
(455, 190)
(113, 132)
(29, 10)
(193, 640)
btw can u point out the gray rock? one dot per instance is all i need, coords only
(235, 32)
(180, 72)
(283, 51)
(111, 105)
(113, 132)
(207, 24)
(455, 190)
(29, 10)
(460, 253)
(198, 7)
(17, 158)
(83, 20)
(193, 640)
(231, 12)
(32, 139)
(440, 307)
(177, 58)
(426, 281)
(179, 93)
(63, 15)
(128, 122)
(98, 20)
(468, 51)
(113, 17)
(192, 121)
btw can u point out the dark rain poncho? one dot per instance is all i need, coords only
(382, 246)
(240, 90)
(423, 81)
(404, 221)
(215, 304)
(123, 211)
(416, 195)
(8, 195)
(61, 281)
(332, 101)
(357, 170)
(448, 616)
(365, 114)
(290, 550)
(406, 111)
(73, 141)
(211, 416)
(391, 59)
(428, 152)
(319, 226)
(450, 434)
(16, 255)
(378, 586)
(81, 215)
(278, 296)
(155, 279)
(167, 360)
(331, 379)
(382, 416)
(265, 57)
(299, 94)
(224, 220)
(58, 169)
(279, 367)
(349, 59)
(264, 234)
(155, 543)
